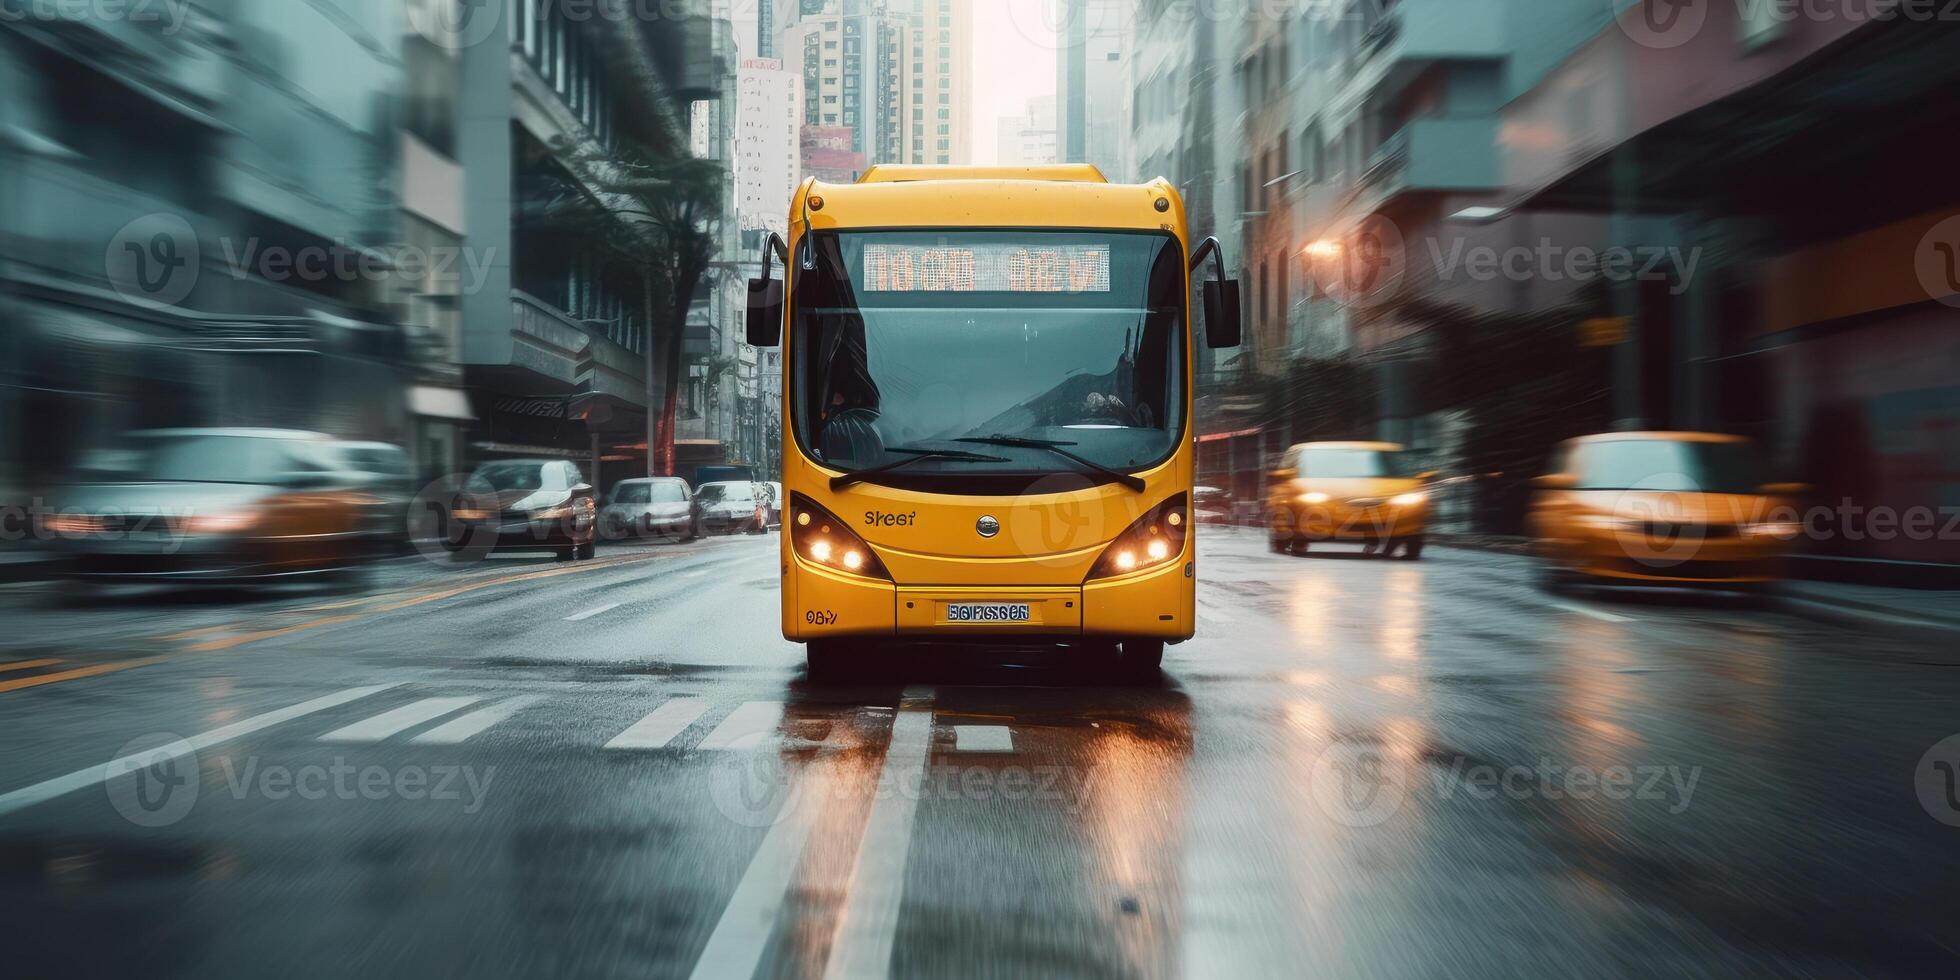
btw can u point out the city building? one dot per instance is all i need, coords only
(768, 148)
(1028, 139)
(559, 338)
(896, 73)
(197, 232)
(1092, 82)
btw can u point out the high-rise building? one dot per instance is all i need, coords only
(896, 73)
(1028, 139)
(1093, 40)
(767, 148)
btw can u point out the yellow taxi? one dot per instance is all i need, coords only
(1353, 492)
(1663, 508)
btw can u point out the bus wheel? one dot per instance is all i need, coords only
(824, 660)
(1141, 660)
(1412, 548)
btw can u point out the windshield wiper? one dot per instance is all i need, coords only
(916, 455)
(1016, 442)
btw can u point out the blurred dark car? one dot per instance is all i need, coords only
(212, 505)
(526, 505)
(382, 471)
(661, 507)
(722, 508)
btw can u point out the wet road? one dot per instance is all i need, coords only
(1359, 768)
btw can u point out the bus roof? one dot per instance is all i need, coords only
(889, 173)
(1074, 197)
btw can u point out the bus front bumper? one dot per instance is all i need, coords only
(1159, 604)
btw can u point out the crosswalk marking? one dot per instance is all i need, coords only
(465, 727)
(59, 786)
(661, 725)
(982, 738)
(398, 720)
(746, 726)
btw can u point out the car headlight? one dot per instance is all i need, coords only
(562, 512)
(819, 537)
(469, 514)
(1315, 497)
(1409, 499)
(230, 523)
(1780, 530)
(1155, 539)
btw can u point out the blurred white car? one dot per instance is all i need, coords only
(661, 507)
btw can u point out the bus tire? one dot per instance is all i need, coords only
(824, 660)
(1412, 548)
(1141, 660)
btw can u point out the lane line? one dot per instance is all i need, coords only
(49, 789)
(869, 925)
(461, 729)
(80, 672)
(589, 613)
(742, 933)
(982, 738)
(1599, 614)
(660, 725)
(30, 664)
(398, 720)
(745, 727)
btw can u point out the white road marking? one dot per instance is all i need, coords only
(982, 738)
(83, 778)
(398, 720)
(589, 613)
(865, 933)
(659, 727)
(461, 729)
(1599, 614)
(746, 726)
(747, 921)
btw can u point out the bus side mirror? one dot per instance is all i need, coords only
(765, 319)
(1223, 325)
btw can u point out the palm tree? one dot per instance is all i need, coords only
(659, 219)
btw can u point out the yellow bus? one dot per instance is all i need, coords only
(987, 409)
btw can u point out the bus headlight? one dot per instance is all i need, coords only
(820, 538)
(1156, 538)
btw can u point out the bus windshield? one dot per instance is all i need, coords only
(905, 343)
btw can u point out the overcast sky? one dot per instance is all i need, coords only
(1013, 61)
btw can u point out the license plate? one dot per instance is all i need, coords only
(987, 612)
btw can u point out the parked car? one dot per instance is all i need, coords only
(526, 505)
(729, 507)
(212, 505)
(775, 509)
(1662, 508)
(1357, 492)
(1211, 505)
(383, 472)
(658, 507)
